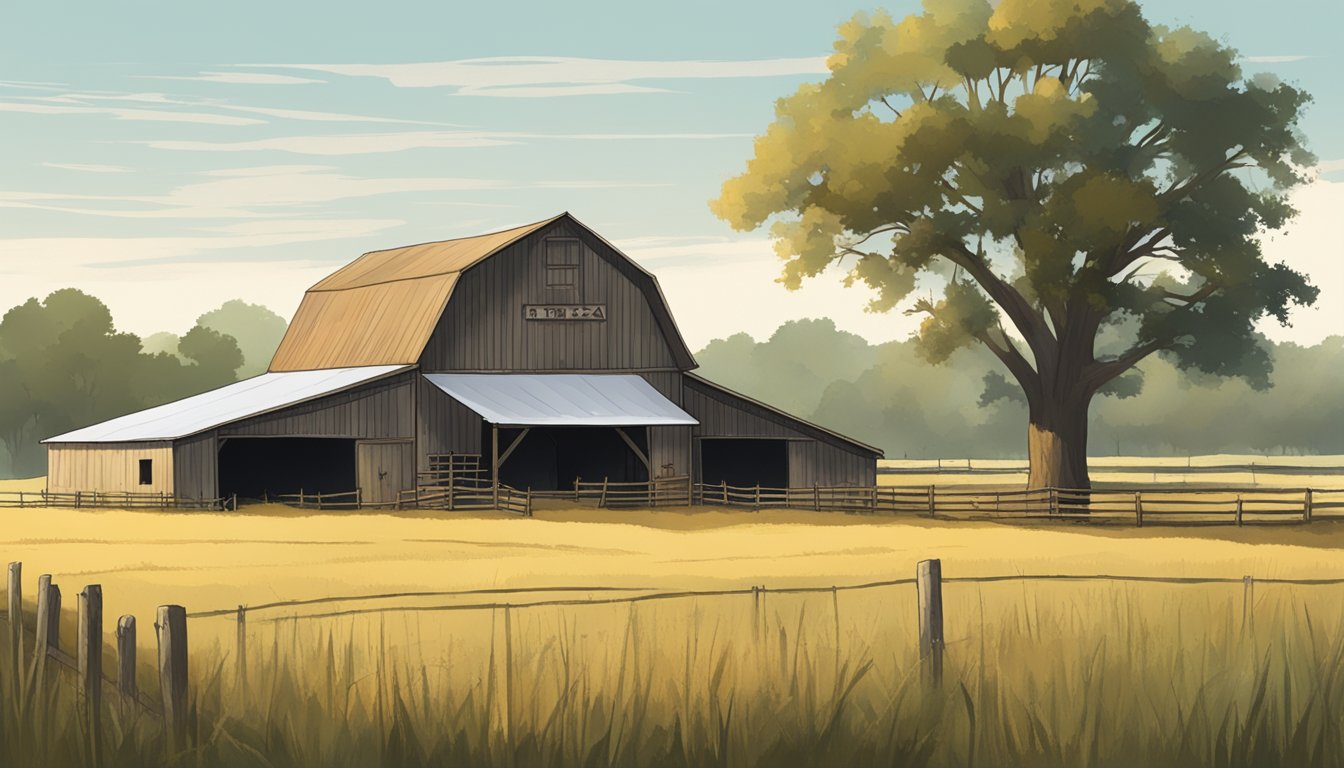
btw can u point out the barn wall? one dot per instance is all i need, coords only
(815, 457)
(484, 329)
(195, 466)
(108, 467)
(381, 409)
(444, 425)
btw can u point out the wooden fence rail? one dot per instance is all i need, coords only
(109, 500)
(86, 663)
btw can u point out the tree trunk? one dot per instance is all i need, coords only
(1057, 445)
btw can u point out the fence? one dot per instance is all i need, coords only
(110, 500)
(86, 663)
(1140, 506)
(171, 628)
(659, 492)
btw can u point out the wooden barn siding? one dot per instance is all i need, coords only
(816, 463)
(380, 409)
(444, 425)
(670, 445)
(108, 467)
(196, 466)
(483, 328)
(812, 460)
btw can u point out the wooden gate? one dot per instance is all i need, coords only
(383, 468)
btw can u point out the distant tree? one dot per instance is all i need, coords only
(1040, 157)
(257, 330)
(63, 365)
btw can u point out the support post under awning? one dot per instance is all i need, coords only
(494, 464)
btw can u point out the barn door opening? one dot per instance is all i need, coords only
(254, 467)
(549, 458)
(744, 463)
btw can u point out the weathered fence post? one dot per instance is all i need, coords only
(724, 492)
(126, 684)
(602, 500)
(90, 655)
(1306, 506)
(42, 633)
(932, 507)
(172, 627)
(242, 650)
(1238, 509)
(757, 507)
(576, 488)
(1138, 509)
(16, 622)
(929, 587)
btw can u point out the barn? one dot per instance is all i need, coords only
(531, 357)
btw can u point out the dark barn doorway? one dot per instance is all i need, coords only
(744, 463)
(253, 467)
(549, 458)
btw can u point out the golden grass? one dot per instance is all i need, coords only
(1038, 674)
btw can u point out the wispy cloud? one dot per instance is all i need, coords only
(269, 191)
(238, 78)
(1273, 59)
(89, 167)
(127, 113)
(379, 143)
(1330, 166)
(548, 76)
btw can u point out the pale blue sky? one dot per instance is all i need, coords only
(167, 157)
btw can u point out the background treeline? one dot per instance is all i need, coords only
(889, 396)
(63, 365)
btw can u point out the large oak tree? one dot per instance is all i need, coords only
(1050, 168)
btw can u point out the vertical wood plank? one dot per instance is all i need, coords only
(90, 655)
(126, 683)
(172, 627)
(1306, 506)
(16, 622)
(42, 632)
(242, 650)
(929, 587)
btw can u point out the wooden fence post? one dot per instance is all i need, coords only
(929, 586)
(932, 507)
(816, 499)
(602, 501)
(90, 655)
(1238, 510)
(43, 638)
(126, 684)
(576, 489)
(16, 623)
(172, 627)
(724, 492)
(242, 650)
(758, 498)
(1138, 509)
(1306, 506)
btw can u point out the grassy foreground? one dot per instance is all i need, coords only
(1076, 676)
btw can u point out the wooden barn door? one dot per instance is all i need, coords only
(383, 468)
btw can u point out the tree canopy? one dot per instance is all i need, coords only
(1027, 174)
(64, 365)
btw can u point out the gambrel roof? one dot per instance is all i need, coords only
(382, 308)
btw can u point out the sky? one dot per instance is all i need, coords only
(167, 157)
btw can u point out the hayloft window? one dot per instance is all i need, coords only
(146, 471)
(562, 263)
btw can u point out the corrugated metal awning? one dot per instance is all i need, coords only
(562, 399)
(240, 400)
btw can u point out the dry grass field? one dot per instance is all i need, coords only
(1038, 673)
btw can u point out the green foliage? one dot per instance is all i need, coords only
(257, 330)
(1075, 165)
(63, 365)
(888, 395)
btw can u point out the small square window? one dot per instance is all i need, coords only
(146, 471)
(562, 263)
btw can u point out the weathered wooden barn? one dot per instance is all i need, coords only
(542, 352)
